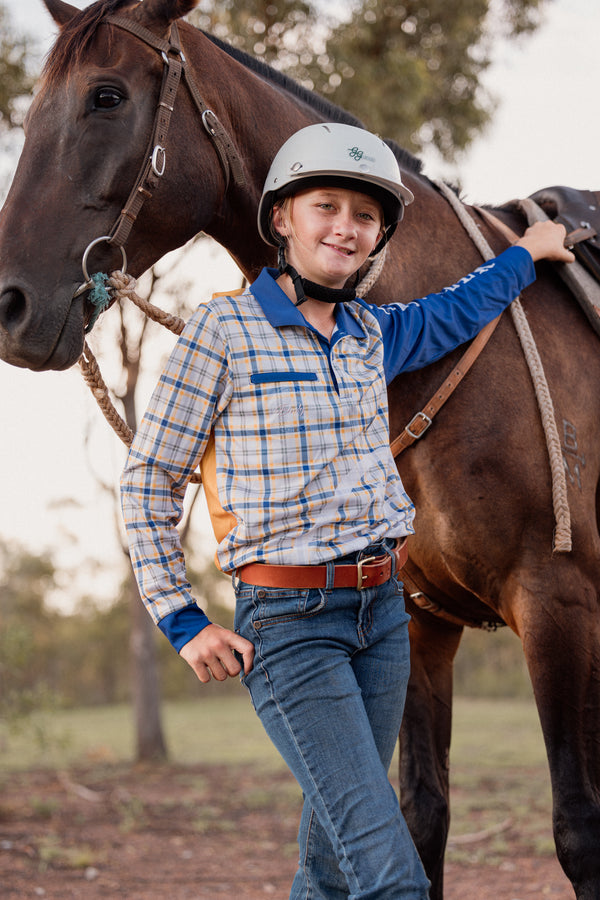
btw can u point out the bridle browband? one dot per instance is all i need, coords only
(154, 162)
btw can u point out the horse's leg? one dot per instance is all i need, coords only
(558, 621)
(425, 740)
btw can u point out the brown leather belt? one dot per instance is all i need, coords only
(368, 572)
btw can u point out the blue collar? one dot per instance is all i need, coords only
(280, 311)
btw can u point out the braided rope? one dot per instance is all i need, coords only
(562, 542)
(93, 378)
(123, 288)
(372, 274)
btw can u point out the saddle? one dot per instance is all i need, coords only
(579, 212)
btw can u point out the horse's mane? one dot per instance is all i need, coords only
(323, 107)
(74, 39)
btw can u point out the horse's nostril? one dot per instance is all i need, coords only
(13, 308)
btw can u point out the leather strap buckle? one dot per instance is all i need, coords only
(359, 566)
(420, 419)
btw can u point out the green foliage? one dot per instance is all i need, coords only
(420, 66)
(279, 31)
(50, 660)
(25, 640)
(15, 79)
(410, 71)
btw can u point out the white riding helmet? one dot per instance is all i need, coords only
(331, 153)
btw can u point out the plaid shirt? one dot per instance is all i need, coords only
(292, 430)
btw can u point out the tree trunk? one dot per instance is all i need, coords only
(145, 682)
(151, 745)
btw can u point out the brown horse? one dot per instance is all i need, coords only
(480, 480)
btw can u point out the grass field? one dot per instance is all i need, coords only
(486, 733)
(499, 773)
(500, 793)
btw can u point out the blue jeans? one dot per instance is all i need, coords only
(329, 683)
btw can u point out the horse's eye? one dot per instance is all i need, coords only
(107, 98)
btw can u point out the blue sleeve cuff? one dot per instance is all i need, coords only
(183, 624)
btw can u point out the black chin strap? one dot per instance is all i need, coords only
(302, 286)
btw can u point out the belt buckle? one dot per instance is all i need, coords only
(359, 565)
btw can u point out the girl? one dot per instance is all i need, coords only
(279, 393)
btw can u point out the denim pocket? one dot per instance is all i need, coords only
(273, 606)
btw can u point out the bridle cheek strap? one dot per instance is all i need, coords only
(155, 158)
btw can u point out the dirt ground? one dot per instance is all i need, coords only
(190, 833)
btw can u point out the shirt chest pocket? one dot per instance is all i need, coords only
(282, 401)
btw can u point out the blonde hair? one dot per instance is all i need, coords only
(285, 208)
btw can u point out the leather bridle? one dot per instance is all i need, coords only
(154, 162)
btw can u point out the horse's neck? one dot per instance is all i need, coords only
(429, 251)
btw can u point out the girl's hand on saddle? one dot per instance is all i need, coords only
(546, 240)
(211, 652)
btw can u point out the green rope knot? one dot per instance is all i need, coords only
(99, 297)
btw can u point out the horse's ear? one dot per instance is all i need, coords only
(60, 11)
(165, 11)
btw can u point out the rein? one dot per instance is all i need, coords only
(155, 158)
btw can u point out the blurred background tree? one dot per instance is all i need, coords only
(16, 81)
(410, 71)
(50, 658)
(26, 625)
(17, 78)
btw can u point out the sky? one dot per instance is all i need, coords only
(546, 131)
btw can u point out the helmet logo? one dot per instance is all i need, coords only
(358, 154)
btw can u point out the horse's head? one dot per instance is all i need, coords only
(87, 132)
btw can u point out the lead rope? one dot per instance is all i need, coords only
(122, 287)
(562, 542)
